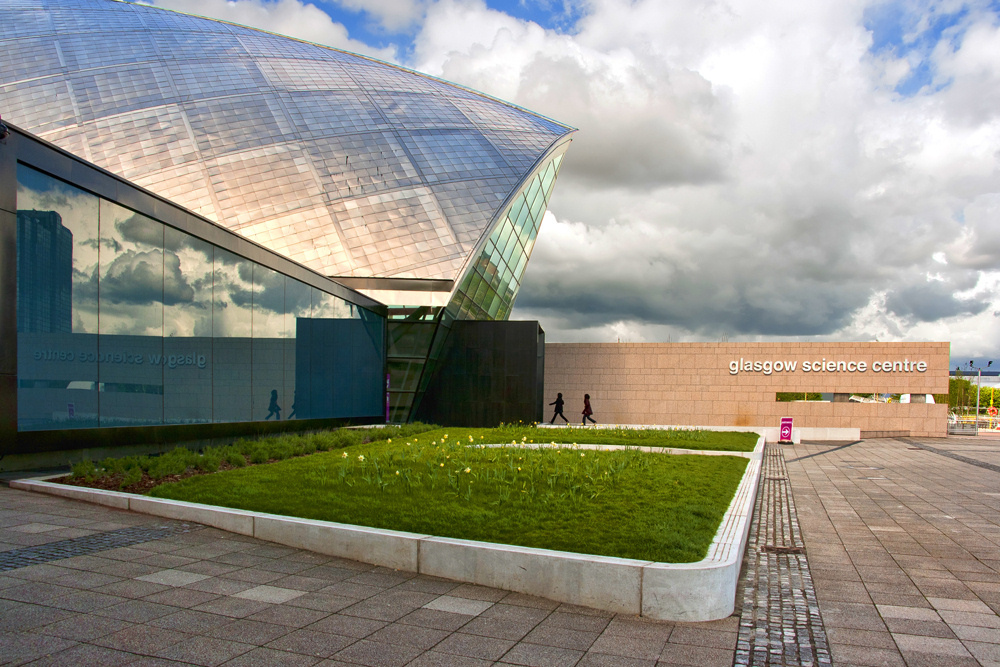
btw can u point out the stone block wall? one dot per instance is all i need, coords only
(696, 384)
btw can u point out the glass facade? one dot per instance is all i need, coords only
(347, 165)
(126, 321)
(486, 292)
(490, 285)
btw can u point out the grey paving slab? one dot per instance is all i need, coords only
(914, 526)
(475, 646)
(901, 545)
(378, 654)
(248, 631)
(293, 617)
(87, 655)
(457, 605)
(310, 642)
(272, 594)
(204, 651)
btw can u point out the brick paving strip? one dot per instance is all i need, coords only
(780, 622)
(89, 544)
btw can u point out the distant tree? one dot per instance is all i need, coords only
(960, 392)
(789, 396)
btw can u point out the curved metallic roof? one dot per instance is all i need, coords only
(348, 165)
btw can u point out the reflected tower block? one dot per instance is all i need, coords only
(45, 274)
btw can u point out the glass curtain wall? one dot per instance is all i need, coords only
(125, 321)
(486, 292)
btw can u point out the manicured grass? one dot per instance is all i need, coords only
(624, 503)
(138, 474)
(725, 441)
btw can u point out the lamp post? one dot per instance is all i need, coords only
(979, 389)
(979, 384)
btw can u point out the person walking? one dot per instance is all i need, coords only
(559, 402)
(273, 409)
(587, 410)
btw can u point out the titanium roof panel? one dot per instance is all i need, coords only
(349, 165)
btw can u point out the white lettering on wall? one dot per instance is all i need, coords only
(824, 365)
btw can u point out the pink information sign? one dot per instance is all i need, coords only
(785, 432)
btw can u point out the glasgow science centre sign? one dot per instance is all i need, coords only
(825, 365)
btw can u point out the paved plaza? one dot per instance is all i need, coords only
(881, 552)
(903, 543)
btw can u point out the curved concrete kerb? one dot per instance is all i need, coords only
(700, 591)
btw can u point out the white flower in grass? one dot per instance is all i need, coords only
(344, 455)
(361, 457)
(468, 470)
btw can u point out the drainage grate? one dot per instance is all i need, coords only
(772, 549)
(89, 544)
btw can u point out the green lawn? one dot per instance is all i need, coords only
(626, 503)
(725, 441)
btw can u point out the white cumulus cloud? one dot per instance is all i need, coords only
(748, 169)
(744, 169)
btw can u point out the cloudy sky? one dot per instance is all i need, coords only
(744, 169)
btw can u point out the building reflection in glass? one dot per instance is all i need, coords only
(125, 321)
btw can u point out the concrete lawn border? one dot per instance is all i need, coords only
(770, 433)
(701, 591)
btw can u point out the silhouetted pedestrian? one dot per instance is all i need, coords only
(587, 411)
(559, 402)
(295, 405)
(274, 408)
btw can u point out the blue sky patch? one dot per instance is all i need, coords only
(558, 15)
(365, 28)
(908, 30)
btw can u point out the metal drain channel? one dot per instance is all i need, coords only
(89, 544)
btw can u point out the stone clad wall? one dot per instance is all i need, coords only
(691, 384)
